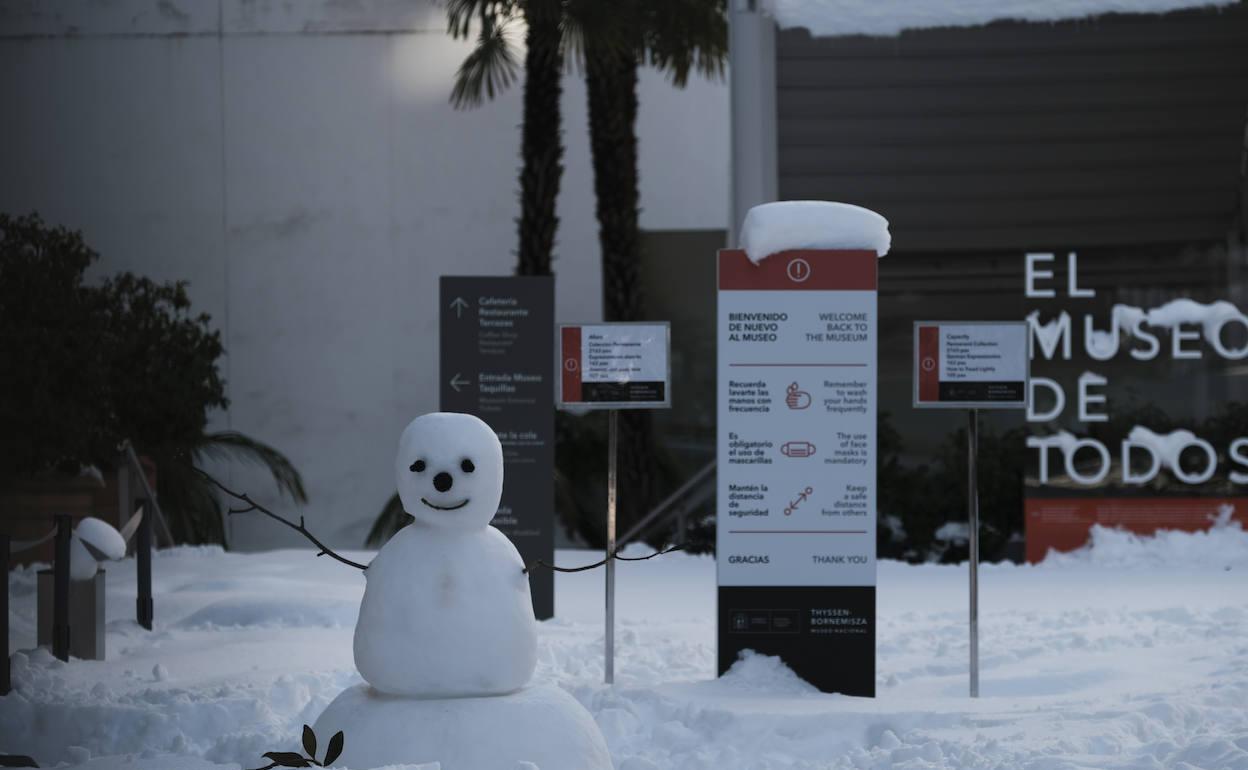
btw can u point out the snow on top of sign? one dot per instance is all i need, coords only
(770, 228)
(1167, 446)
(890, 17)
(1125, 319)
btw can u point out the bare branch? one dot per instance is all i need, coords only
(252, 505)
(616, 555)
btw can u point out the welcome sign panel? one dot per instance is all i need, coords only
(796, 451)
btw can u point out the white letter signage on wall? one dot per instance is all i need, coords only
(796, 450)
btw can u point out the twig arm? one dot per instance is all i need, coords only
(616, 555)
(252, 505)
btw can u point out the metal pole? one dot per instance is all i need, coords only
(149, 493)
(60, 588)
(143, 562)
(972, 442)
(612, 435)
(6, 684)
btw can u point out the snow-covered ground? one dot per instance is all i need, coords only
(1133, 654)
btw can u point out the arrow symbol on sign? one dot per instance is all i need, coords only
(458, 306)
(457, 382)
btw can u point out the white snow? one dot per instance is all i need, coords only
(1132, 653)
(953, 532)
(541, 724)
(770, 228)
(890, 17)
(1223, 546)
(97, 534)
(1168, 447)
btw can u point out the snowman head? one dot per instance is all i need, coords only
(450, 470)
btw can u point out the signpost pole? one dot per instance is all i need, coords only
(972, 442)
(609, 635)
(143, 564)
(60, 594)
(5, 683)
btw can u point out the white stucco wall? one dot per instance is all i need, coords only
(299, 164)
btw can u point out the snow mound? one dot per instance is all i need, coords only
(1222, 547)
(890, 17)
(285, 612)
(755, 674)
(542, 725)
(774, 227)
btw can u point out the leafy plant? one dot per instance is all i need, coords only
(54, 400)
(488, 70)
(85, 367)
(295, 759)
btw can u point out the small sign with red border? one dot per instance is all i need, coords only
(615, 365)
(971, 364)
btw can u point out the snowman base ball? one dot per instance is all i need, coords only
(540, 724)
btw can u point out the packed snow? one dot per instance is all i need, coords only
(1132, 653)
(93, 541)
(891, 17)
(771, 228)
(449, 579)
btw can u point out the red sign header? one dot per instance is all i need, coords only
(801, 270)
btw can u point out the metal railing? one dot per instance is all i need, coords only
(699, 488)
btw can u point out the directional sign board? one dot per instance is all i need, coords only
(615, 365)
(796, 452)
(971, 364)
(497, 362)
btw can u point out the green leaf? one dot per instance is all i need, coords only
(335, 748)
(309, 741)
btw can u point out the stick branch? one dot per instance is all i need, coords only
(252, 505)
(615, 555)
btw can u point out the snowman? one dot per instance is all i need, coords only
(446, 638)
(447, 610)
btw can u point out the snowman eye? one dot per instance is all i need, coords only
(467, 467)
(418, 466)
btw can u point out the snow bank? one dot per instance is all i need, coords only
(890, 17)
(1224, 546)
(1084, 664)
(274, 612)
(756, 674)
(774, 227)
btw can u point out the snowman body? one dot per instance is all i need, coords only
(446, 614)
(447, 610)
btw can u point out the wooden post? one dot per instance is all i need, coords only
(6, 684)
(143, 560)
(60, 592)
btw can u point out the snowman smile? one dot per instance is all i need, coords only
(455, 507)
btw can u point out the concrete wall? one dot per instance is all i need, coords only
(299, 164)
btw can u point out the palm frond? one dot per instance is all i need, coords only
(391, 519)
(231, 445)
(489, 69)
(189, 503)
(686, 36)
(592, 27)
(461, 13)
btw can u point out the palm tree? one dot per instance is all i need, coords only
(488, 70)
(677, 37)
(610, 39)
